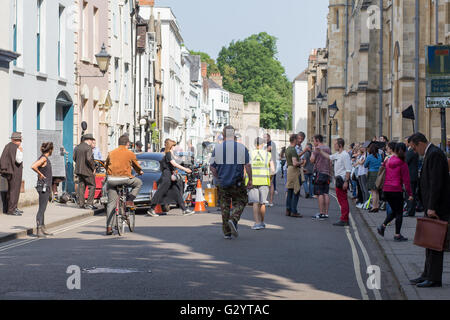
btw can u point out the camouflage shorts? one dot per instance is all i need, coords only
(233, 201)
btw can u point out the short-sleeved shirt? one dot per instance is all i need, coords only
(322, 164)
(291, 153)
(165, 162)
(229, 159)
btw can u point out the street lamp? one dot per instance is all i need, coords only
(103, 59)
(332, 110)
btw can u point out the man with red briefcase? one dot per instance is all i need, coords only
(434, 191)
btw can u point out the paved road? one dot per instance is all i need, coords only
(176, 257)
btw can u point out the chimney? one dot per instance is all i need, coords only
(217, 78)
(204, 69)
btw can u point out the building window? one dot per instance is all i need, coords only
(125, 32)
(38, 34)
(39, 108)
(95, 40)
(126, 82)
(114, 24)
(15, 28)
(15, 114)
(337, 19)
(116, 78)
(60, 40)
(85, 32)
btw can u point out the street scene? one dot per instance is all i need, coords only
(164, 150)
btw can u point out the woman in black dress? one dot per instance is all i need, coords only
(43, 167)
(169, 188)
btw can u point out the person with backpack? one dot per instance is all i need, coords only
(397, 177)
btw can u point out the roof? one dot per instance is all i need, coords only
(302, 76)
(213, 85)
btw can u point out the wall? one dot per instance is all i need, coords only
(31, 86)
(300, 107)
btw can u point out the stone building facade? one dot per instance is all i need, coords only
(355, 71)
(236, 110)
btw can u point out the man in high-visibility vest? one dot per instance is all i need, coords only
(262, 168)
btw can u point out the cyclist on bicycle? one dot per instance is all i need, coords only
(119, 164)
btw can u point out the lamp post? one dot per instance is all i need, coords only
(286, 115)
(319, 100)
(103, 58)
(332, 110)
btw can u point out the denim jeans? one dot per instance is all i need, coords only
(354, 188)
(308, 184)
(292, 200)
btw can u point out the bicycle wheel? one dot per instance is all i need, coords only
(120, 223)
(131, 221)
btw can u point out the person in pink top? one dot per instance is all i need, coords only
(397, 177)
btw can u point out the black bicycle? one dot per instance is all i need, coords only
(123, 215)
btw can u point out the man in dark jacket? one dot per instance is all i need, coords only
(84, 169)
(11, 167)
(412, 159)
(434, 188)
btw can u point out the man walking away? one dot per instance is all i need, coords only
(11, 168)
(84, 169)
(434, 189)
(322, 171)
(119, 164)
(262, 166)
(227, 165)
(342, 170)
(412, 160)
(293, 182)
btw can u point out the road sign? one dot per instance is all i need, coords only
(438, 102)
(438, 71)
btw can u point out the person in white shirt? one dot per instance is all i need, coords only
(342, 170)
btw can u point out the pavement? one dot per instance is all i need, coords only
(15, 227)
(406, 259)
(186, 257)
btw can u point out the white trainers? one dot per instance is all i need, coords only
(257, 227)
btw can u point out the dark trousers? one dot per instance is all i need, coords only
(395, 200)
(83, 182)
(43, 201)
(163, 189)
(12, 197)
(434, 265)
(292, 200)
(360, 193)
(412, 204)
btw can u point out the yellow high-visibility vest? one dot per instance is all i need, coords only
(260, 160)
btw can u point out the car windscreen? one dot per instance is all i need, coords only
(149, 165)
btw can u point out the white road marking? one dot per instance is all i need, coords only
(59, 231)
(356, 265)
(363, 249)
(365, 254)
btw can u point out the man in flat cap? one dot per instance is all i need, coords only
(84, 169)
(11, 168)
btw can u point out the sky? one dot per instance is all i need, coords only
(208, 25)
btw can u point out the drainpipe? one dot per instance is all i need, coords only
(416, 61)
(392, 69)
(380, 107)
(346, 45)
(443, 111)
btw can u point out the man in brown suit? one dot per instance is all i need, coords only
(11, 167)
(85, 171)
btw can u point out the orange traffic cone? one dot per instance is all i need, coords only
(158, 208)
(199, 199)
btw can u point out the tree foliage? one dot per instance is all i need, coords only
(204, 57)
(250, 67)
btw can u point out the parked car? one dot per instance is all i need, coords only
(152, 172)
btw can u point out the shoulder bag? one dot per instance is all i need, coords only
(381, 176)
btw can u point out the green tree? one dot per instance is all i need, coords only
(204, 57)
(250, 67)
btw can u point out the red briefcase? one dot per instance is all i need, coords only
(431, 233)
